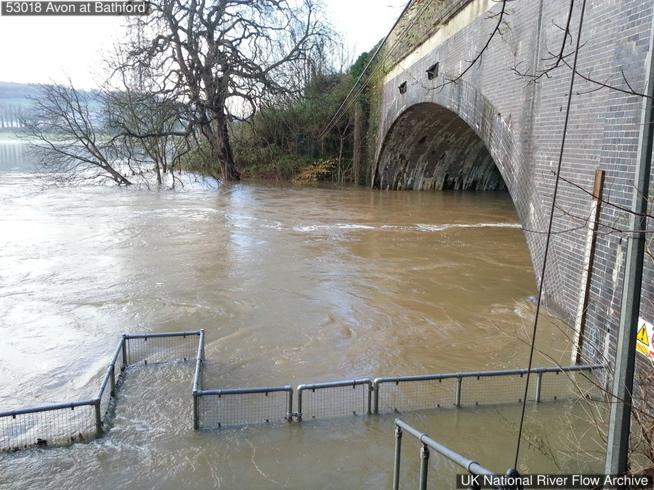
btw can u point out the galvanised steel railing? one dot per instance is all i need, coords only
(106, 396)
(335, 398)
(428, 443)
(197, 380)
(233, 407)
(160, 347)
(66, 423)
(410, 393)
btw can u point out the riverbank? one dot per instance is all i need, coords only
(294, 170)
(9, 136)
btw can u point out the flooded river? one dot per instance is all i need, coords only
(292, 285)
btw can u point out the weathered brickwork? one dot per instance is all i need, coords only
(436, 131)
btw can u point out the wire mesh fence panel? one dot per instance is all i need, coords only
(58, 427)
(569, 385)
(233, 410)
(154, 349)
(336, 401)
(401, 396)
(491, 390)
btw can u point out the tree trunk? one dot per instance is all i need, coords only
(222, 151)
(156, 166)
(119, 178)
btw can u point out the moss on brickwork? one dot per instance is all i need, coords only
(421, 20)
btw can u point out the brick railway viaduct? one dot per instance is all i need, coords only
(492, 129)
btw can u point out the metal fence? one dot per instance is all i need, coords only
(67, 423)
(334, 399)
(222, 408)
(48, 425)
(410, 393)
(107, 392)
(161, 347)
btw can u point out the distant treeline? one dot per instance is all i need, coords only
(10, 116)
(17, 100)
(14, 100)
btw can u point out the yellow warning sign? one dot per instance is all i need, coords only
(642, 335)
(645, 338)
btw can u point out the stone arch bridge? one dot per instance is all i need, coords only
(492, 130)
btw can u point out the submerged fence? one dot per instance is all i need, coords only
(218, 408)
(66, 423)
(465, 389)
(224, 408)
(334, 399)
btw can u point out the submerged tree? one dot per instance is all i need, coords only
(221, 59)
(68, 135)
(145, 125)
(144, 132)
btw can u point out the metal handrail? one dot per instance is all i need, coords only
(483, 374)
(46, 408)
(245, 391)
(428, 443)
(335, 384)
(191, 333)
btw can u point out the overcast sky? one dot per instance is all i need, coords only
(46, 49)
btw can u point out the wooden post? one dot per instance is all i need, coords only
(587, 272)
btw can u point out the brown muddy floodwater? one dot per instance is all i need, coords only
(292, 285)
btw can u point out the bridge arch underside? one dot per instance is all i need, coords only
(428, 146)
(431, 148)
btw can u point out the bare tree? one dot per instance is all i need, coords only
(146, 126)
(68, 136)
(220, 59)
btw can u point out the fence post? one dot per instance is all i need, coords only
(398, 455)
(299, 404)
(370, 395)
(457, 392)
(375, 394)
(424, 463)
(539, 382)
(98, 418)
(113, 380)
(196, 422)
(124, 349)
(289, 415)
